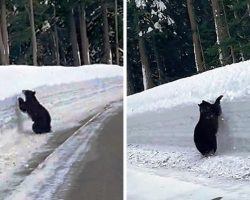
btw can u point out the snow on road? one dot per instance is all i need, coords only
(148, 184)
(71, 95)
(161, 122)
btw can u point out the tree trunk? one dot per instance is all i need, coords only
(248, 7)
(33, 32)
(84, 37)
(4, 30)
(56, 43)
(221, 27)
(63, 60)
(157, 58)
(130, 88)
(116, 34)
(130, 85)
(238, 32)
(198, 52)
(74, 43)
(2, 50)
(107, 57)
(146, 72)
(227, 28)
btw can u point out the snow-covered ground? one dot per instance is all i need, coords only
(160, 129)
(148, 184)
(73, 95)
(44, 181)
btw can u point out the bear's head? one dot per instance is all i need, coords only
(206, 109)
(29, 94)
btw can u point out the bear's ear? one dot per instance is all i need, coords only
(33, 92)
(199, 105)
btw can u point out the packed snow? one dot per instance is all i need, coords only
(232, 81)
(71, 94)
(161, 123)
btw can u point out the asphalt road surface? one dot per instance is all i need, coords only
(100, 175)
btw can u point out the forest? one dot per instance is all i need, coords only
(61, 32)
(169, 40)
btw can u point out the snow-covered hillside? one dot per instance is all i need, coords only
(161, 122)
(73, 95)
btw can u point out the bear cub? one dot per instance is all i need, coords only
(207, 127)
(39, 115)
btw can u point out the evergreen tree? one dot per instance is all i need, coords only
(198, 51)
(172, 34)
(167, 40)
(66, 32)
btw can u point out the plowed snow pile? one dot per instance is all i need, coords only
(161, 122)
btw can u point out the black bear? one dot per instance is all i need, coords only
(39, 115)
(207, 127)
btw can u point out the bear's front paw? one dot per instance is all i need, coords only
(21, 104)
(20, 100)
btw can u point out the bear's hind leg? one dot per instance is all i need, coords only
(40, 129)
(36, 128)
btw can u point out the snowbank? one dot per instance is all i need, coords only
(228, 166)
(161, 124)
(13, 78)
(233, 81)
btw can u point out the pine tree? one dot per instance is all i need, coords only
(2, 51)
(53, 33)
(226, 54)
(84, 36)
(73, 37)
(3, 24)
(198, 51)
(33, 32)
(107, 57)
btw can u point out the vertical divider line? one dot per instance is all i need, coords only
(125, 100)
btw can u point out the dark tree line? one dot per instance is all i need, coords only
(61, 32)
(168, 40)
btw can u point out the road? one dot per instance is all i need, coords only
(102, 175)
